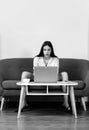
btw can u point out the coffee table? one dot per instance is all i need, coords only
(69, 91)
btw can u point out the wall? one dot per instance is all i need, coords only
(26, 24)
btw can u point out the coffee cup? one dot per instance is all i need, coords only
(26, 80)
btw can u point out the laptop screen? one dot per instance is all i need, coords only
(45, 74)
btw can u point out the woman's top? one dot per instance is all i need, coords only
(53, 61)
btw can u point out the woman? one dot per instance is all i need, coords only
(46, 57)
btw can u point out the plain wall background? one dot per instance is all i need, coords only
(26, 24)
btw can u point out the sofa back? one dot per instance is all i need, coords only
(76, 68)
(12, 68)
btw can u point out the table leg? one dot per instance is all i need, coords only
(22, 99)
(72, 98)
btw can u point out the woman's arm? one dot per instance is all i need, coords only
(57, 63)
(35, 61)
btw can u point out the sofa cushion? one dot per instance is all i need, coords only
(10, 84)
(81, 85)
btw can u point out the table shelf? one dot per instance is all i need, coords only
(47, 94)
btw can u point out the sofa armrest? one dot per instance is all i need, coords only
(86, 81)
(1, 80)
(2, 71)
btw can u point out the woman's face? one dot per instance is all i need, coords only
(46, 51)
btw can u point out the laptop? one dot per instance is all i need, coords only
(45, 74)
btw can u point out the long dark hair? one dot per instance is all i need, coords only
(46, 43)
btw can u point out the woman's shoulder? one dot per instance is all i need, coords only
(56, 58)
(37, 58)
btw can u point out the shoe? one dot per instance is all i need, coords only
(25, 108)
(67, 108)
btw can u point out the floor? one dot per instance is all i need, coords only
(43, 116)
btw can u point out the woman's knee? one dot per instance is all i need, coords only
(25, 74)
(64, 76)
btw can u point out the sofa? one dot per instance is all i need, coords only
(11, 70)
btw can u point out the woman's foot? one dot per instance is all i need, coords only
(67, 107)
(25, 108)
